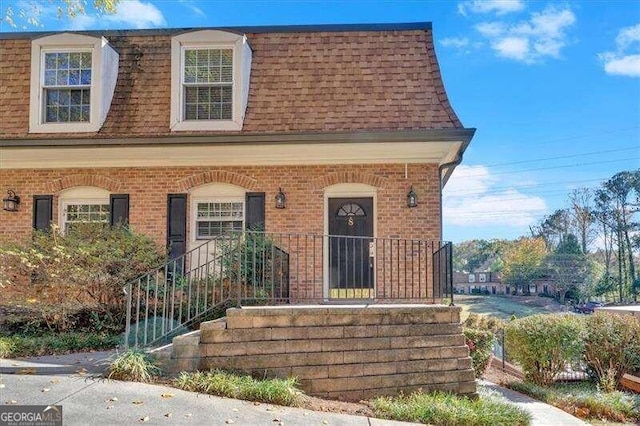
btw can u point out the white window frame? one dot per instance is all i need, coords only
(472, 278)
(210, 39)
(104, 71)
(78, 196)
(201, 200)
(43, 88)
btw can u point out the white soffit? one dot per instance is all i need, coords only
(227, 155)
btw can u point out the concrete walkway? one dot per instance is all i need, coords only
(73, 381)
(542, 414)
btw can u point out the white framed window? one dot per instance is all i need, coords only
(482, 278)
(73, 79)
(210, 73)
(207, 84)
(83, 204)
(66, 86)
(472, 278)
(218, 217)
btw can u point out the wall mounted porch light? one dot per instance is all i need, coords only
(281, 199)
(412, 198)
(10, 203)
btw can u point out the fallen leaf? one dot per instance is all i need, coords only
(45, 389)
(27, 371)
(325, 422)
(276, 420)
(12, 402)
(109, 407)
(113, 398)
(55, 381)
(188, 415)
(235, 409)
(15, 364)
(271, 409)
(167, 395)
(256, 403)
(145, 419)
(168, 414)
(137, 402)
(230, 421)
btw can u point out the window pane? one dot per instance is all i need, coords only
(67, 105)
(67, 69)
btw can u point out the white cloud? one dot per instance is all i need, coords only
(512, 47)
(626, 59)
(456, 42)
(469, 200)
(543, 35)
(195, 9)
(499, 7)
(131, 14)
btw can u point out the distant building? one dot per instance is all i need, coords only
(491, 283)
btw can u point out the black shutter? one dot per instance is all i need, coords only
(119, 209)
(255, 211)
(42, 212)
(176, 224)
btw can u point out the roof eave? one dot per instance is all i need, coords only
(427, 135)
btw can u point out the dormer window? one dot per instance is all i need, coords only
(67, 86)
(73, 78)
(210, 73)
(208, 84)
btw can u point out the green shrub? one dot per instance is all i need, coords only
(544, 344)
(133, 365)
(480, 343)
(221, 383)
(612, 347)
(60, 276)
(484, 322)
(450, 410)
(14, 345)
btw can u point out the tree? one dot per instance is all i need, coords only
(620, 189)
(568, 267)
(29, 13)
(523, 262)
(582, 219)
(553, 228)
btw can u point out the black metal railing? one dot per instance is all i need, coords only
(258, 268)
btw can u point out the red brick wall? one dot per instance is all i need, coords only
(303, 185)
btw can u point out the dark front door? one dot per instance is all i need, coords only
(351, 268)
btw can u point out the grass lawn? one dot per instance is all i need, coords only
(505, 306)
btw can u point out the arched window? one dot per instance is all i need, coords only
(83, 204)
(350, 209)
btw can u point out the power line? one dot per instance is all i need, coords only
(565, 166)
(501, 189)
(634, 148)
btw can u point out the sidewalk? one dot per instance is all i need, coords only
(71, 380)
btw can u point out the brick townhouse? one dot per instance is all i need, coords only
(187, 134)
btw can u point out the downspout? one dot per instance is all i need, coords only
(453, 163)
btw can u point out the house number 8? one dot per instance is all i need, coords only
(350, 221)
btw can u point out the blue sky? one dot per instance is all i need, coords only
(552, 87)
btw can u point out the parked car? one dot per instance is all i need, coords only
(587, 308)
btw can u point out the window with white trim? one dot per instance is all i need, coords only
(73, 79)
(210, 73)
(208, 84)
(215, 218)
(66, 86)
(84, 204)
(84, 212)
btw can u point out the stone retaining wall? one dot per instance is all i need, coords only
(347, 352)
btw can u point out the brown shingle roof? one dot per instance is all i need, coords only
(301, 81)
